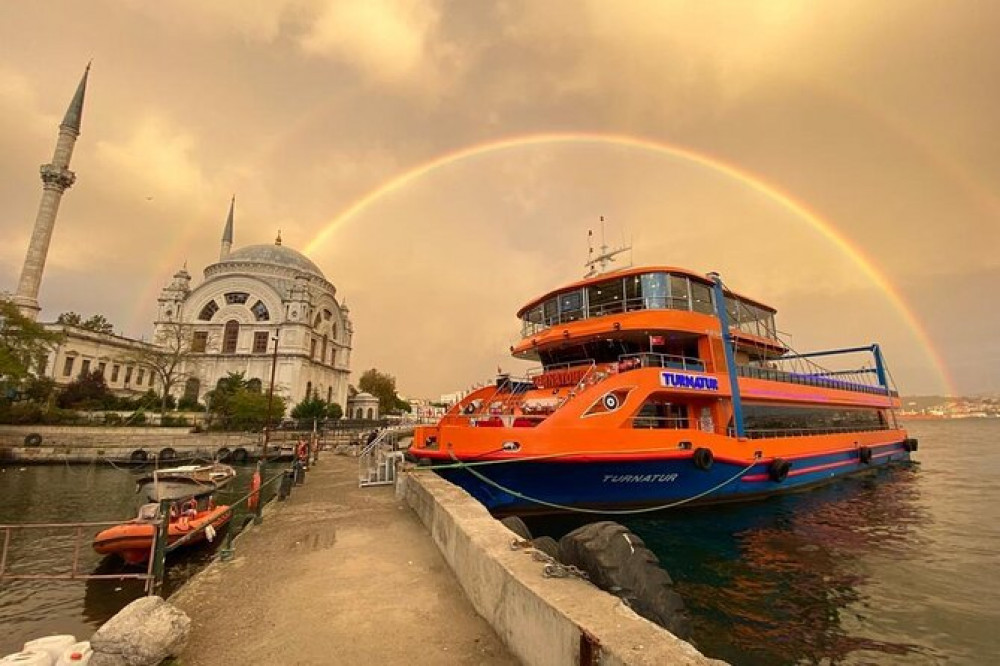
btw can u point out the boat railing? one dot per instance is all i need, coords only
(819, 378)
(760, 433)
(652, 360)
(78, 531)
(660, 422)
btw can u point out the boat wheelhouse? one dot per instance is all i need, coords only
(658, 387)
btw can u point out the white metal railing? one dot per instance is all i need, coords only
(378, 459)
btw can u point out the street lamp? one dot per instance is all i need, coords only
(270, 396)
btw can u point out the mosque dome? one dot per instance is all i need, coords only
(274, 255)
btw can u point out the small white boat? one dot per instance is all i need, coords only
(185, 481)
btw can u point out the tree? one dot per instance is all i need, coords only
(23, 343)
(97, 323)
(311, 407)
(171, 358)
(87, 391)
(334, 411)
(238, 406)
(383, 387)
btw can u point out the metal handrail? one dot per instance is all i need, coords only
(655, 360)
(74, 574)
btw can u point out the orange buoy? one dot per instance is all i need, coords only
(253, 501)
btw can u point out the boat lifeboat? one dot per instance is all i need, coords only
(133, 540)
(177, 483)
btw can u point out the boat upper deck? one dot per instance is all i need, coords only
(651, 289)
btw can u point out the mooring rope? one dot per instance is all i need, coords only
(576, 509)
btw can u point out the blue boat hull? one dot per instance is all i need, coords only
(522, 487)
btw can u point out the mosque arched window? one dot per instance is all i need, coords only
(322, 355)
(371, 414)
(237, 297)
(191, 388)
(230, 337)
(359, 413)
(309, 390)
(260, 312)
(208, 311)
(254, 385)
(329, 394)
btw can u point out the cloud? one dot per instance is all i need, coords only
(390, 41)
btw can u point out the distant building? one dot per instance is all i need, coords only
(252, 299)
(362, 406)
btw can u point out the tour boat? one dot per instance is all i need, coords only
(133, 540)
(660, 387)
(176, 483)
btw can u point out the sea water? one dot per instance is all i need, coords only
(79, 493)
(896, 567)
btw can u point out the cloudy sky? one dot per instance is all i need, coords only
(443, 161)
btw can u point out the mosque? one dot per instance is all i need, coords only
(259, 309)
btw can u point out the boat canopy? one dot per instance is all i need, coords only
(643, 289)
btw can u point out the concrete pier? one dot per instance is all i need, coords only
(339, 574)
(335, 575)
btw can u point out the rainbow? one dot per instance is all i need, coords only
(755, 183)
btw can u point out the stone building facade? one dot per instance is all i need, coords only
(259, 306)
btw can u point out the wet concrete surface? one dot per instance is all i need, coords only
(335, 575)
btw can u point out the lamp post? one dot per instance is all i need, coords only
(270, 397)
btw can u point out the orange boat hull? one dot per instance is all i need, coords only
(132, 541)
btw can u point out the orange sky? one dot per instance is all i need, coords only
(878, 117)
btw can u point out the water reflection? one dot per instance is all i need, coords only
(50, 494)
(783, 581)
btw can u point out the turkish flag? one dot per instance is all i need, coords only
(657, 340)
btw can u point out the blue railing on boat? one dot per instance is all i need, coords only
(822, 380)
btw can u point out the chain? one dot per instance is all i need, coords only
(553, 567)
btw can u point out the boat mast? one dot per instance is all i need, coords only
(598, 265)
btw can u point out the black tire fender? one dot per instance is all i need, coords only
(139, 456)
(32, 439)
(865, 455)
(240, 455)
(223, 454)
(619, 562)
(703, 458)
(517, 526)
(778, 469)
(166, 454)
(547, 545)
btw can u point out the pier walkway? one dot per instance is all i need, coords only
(335, 575)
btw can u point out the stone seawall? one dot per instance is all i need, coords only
(543, 621)
(37, 444)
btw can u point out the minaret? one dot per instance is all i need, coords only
(56, 179)
(227, 233)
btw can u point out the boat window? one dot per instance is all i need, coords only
(658, 412)
(606, 297)
(571, 306)
(655, 289)
(551, 311)
(701, 297)
(732, 311)
(792, 420)
(679, 297)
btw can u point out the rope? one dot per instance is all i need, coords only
(611, 512)
(546, 456)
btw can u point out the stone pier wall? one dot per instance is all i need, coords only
(543, 621)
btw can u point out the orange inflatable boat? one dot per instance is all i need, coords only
(133, 540)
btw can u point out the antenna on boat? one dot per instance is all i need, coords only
(599, 264)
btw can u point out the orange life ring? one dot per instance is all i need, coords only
(253, 501)
(183, 523)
